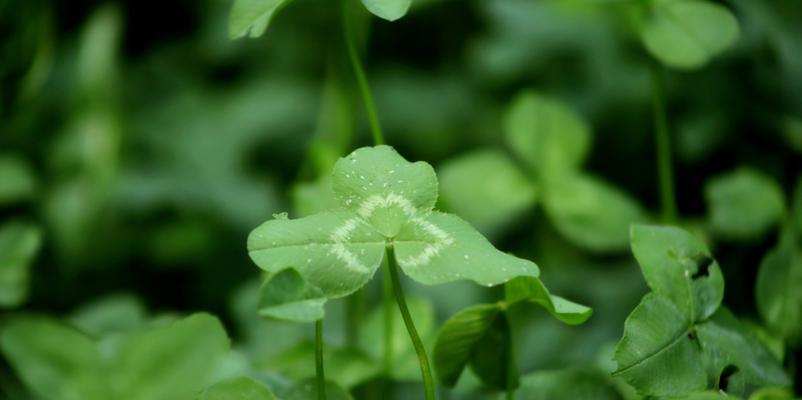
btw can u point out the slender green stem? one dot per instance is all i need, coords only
(319, 373)
(665, 173)
(387, 295)
(512, 368)
(361, 79)
(398, 290)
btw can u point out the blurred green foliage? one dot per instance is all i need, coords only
(139, 146)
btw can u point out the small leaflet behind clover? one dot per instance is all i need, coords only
(384, 201)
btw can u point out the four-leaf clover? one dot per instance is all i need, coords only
(386, 206)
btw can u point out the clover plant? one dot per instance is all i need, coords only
(386, 212)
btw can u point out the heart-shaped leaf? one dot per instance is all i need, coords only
(547, 135)
(743, 204)
(590, 212)
(251, 17)
(686, 34)
(390, 10)
(679, 267)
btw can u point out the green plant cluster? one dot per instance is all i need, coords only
(276, 199)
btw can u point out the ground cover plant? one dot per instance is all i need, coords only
(400, 199)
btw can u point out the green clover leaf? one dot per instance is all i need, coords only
(384, 201)
(679, 339)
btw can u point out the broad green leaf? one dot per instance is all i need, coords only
(251, 17)
(390, 10)
(441, 248)
(741, 359)
(532, 290)
(19, 243)
(288, 296)
(458, 340)
(743, 204)
(659, 354)
(796, 206)
(307, 390)
(17, 181)
(53, 360)
(687, 34)
(240, 388)
(405, 361)
(591, 213)
(772, 393)
(779, 287)
(112, 314)
(567, 384)
(335, 251)
(679, 267)
(170, 362)
(546, 134)
(488, 204)
(383, 188)
(492, 359)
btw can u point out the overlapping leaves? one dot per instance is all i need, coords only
(252, 17)
(551, 141)
(384, 201)
(59, 362)
(480, 336)
(680, 339)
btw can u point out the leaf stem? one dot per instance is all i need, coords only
(361, 79)
(425, 370)
(387, 292)
(511, 363)
(319, 373)
(665, 173)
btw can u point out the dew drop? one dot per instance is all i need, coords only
(467, 257)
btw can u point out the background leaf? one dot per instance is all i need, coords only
(167, 362)
(488, 204)
(19, 243)
(546, 134)
(779, 278)
(687, 34)
(251, 17)
(743, 204)
(17, 181)
(55, 361)
(390, 10)
(591, 213)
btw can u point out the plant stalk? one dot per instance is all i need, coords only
(361, 79)
(319, 373)
(387, 305)
(665, 173)
(398, 290)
